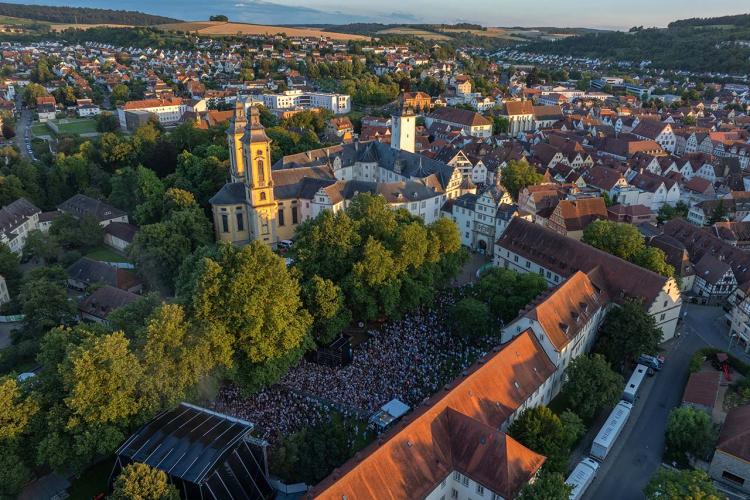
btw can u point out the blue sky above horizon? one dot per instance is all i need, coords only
(606, 14)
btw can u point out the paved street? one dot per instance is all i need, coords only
(637, 454)
(23, 129)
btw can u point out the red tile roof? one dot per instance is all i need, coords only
(446, 434)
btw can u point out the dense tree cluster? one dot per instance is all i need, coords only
(690, 434)
(694, 45)
(82, 15)
(384, 262)
(518, 175)
(682, 484)
(591, 386)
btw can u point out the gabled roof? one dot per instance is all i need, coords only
(454, 430)
(567, 308)
(460, 116)
(565, 256)
(734, 438)
(80, 205)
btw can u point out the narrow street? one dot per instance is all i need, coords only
(638, 452)
(23, 129)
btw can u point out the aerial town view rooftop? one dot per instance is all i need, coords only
(395, 250)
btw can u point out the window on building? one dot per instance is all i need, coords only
(528, 264)
(661, 318)
(454, 493)
(480, 490)
(262, 196)
(465, 480)
(224, 223)
(457, 476)
(294, 215)
(732, 477)
(281, 217)
(240, 222)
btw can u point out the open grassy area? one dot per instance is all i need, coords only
(92, 481)
(77, 126)
(220, 28)
(38, 129)
(105, 254)
(424, 34)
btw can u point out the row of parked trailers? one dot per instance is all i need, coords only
(585, 472)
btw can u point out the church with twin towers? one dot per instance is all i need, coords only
(266, 201)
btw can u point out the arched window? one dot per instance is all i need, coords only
(262, 196)
(261, 172)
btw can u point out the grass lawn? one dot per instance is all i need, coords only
(92, 481)
(77, 126)
(38, 129)
(105, 254)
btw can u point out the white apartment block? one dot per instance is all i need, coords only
(339, 104)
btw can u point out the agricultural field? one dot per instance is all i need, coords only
(424, 34)
(66, 126)
(220, 28)
(503, 33)
(63, 27)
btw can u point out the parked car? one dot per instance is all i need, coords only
(650, 361)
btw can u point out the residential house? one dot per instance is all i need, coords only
(86, 272)
(16, 220)
(119, 235)
(731, 461)
(98, 306)
(657, 131)
(470, 122)
(570, 217)
(81, 205)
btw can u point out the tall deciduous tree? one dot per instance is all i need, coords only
(141, 482)
(682, 484)
(539, 429)
(518, 175)
(690, 434)
(252, 293)
(591, 385)
(548, 486)
(627, 332)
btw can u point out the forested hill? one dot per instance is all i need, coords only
(719, 44)
(81, 15)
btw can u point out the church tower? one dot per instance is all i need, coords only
(235, 131)
(404, 130)
(256, 157)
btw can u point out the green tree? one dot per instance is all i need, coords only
(44, 300)
(40, 245)
(591, 385)
(690, 434)
(141, 482)
(252, 293)
(176, 356)
(518, 175)
(540, 430)
(159, 249)
(506, 292)
(131, 319)
(10, 269)
(668, 212)
(120, 93)
(500, 125)
(471, 319)
(626, 242)
(548, 486)
(83, 233)
(139, 191)
(107, 122)
(719, 213)
(627, 332)
(681, 485)
(324, 300)
(201, 176)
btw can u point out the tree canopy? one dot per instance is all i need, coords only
(141, 482)
(690, 434)
(591, 385)
(518, 175)
(626, 333)
(682, 485)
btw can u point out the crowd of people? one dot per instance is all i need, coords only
(409, 359)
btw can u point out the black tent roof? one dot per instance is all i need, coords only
(186, 442)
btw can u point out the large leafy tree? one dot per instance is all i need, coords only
(591, 385)
(690, 433)
(251, 292)
(139, 191)
(548, 486)
(624, 241)
(325, 302)
(627, 332)
(471, 318)
(10, 268)
(518, 175)
(44, 300)
(160, 249)
(539, 429)
(681, 484)
(506, 292)
(141, 482)
(83, 233)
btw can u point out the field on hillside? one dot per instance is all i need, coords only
(489, 33)
(64, 26)
(219, 29)
(405, 30)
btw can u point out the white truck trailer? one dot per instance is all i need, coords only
(611, 429)
(582, 477)
(634, 384)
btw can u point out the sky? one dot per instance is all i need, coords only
(606, 14)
